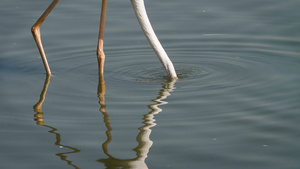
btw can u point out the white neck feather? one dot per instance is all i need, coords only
(141, 14)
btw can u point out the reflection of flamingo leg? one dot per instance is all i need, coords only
(40, 121)
(143, 138)
(38, 106)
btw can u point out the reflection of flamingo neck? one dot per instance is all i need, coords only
(143, 138)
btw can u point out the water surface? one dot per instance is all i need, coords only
(235, 104)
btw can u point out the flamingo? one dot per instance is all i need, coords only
(141, 14)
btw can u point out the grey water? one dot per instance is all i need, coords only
(235, 104)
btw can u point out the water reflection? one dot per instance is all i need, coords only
(143, 138)
(40, 121)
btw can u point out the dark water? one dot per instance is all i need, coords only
(235, 105)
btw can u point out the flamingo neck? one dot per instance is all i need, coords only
(141, 14)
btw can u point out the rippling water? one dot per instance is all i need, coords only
(235, 104)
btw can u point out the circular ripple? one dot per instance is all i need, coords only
(235, 57)
(211, 62)
(150, 73)
(135, 64)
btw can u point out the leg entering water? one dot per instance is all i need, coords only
(37, 34)
(100, 51)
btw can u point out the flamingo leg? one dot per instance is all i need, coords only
(100, 51)
(37, 34)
